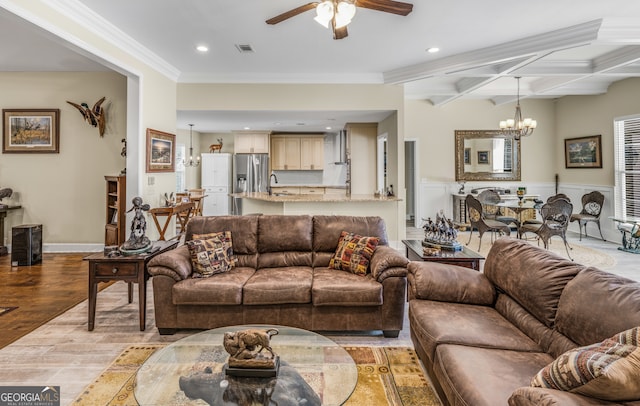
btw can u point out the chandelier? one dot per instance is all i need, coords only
(191, 162)
(337, 12)
(516, 127)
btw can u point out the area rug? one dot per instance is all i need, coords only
(5, 310)
(580, 254)
(386, 376)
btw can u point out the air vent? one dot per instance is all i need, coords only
(244, 48)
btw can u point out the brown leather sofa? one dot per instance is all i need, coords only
(282, 278)
(483, 336)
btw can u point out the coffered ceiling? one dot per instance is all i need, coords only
(558, 47)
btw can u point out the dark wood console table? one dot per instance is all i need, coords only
(3, 213)
(131, 269)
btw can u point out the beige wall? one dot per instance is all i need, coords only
(434, 127)
(65, 192)
(581, 116)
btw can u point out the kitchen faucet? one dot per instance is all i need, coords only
(275, 178)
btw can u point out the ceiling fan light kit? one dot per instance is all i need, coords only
(517, 127)
(337, 14)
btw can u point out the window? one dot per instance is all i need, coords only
(627, 166)
(181, 183)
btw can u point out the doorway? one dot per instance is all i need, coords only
(410, 171)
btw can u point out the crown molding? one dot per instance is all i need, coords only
(91, 21)
(287, 78)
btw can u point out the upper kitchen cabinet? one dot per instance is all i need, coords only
(285, 153)
(253, 142)
(312, 153)
(294, 152)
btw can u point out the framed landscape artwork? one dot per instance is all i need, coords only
(583, 152)
(483, 157)
(161, 151)
(467, 156)
(31, 130)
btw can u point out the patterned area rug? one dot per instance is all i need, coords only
(386, 376)
(5, 310)
(580, 254)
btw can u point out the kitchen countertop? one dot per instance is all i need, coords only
(310, 186)
(314, 198)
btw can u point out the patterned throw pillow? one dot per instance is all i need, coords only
(353, 253)
(211, 254)
(609, 370)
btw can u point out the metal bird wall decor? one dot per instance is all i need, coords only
(95, 116)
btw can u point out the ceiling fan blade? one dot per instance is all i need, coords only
(339, 33)
(388, 6)
(291, 13)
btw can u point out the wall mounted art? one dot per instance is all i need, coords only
(161, 151)
(31, 131)
(583, 152)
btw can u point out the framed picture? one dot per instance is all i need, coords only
(31, 130)
(161, 151)
(583, 152)
(467, 156)
(484, 157)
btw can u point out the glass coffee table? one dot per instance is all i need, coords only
(313, 370)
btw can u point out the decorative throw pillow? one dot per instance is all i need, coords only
(609, 370)
(211, 254)
(353, 253)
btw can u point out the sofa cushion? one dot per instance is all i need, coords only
(528, 396)
(221, 289)
(437, 323)
(484, 376)
(327, 230)
(608, 370)
(211, 254)
(339, 288)
(589, 300)
(532, 276)
(270, 286)
(244, 230)
(277, 233)
(353, 253)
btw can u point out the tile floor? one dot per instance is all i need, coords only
(63, 353)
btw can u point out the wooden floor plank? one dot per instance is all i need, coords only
(41, 292)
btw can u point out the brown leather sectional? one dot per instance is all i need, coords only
(282, 278)
(483, 336)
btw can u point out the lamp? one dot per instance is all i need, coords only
(340, 11)
(517, 127)
(191, 161)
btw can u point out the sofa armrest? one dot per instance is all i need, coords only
(529, 396)
(387, 262)
(175, 264)
(449, 283)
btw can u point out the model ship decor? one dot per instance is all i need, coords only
(250, 353)
(441, 233)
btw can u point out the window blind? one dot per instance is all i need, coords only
(627, 166)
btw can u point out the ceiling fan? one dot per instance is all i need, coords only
(337, 14)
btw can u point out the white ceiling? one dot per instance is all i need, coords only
(558, 47)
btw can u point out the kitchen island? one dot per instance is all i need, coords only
(325, 204)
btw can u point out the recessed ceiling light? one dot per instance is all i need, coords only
(202, 48)
(433, 50)
(247, 128)
(327, 128)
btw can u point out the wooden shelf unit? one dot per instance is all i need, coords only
(114, 229)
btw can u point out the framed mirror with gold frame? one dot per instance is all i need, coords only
(486, 155)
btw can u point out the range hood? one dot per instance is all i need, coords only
(341, 141)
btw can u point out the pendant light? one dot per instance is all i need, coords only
(191, 162)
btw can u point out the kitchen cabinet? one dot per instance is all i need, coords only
(285, 153)
(251, 142)
(286, 190)
(311, 190)
(312, 153)
(296, 153)
(335, 191)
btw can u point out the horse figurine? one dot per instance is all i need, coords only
(216, 147)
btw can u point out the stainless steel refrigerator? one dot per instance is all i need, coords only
(250, 174)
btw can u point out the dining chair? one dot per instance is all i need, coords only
(481, 223)
(591, 208)
(196, 196)
(489, 199)
(555, 221)
(549, 200)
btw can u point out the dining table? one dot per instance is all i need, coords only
(518, 207)
(182, 211)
